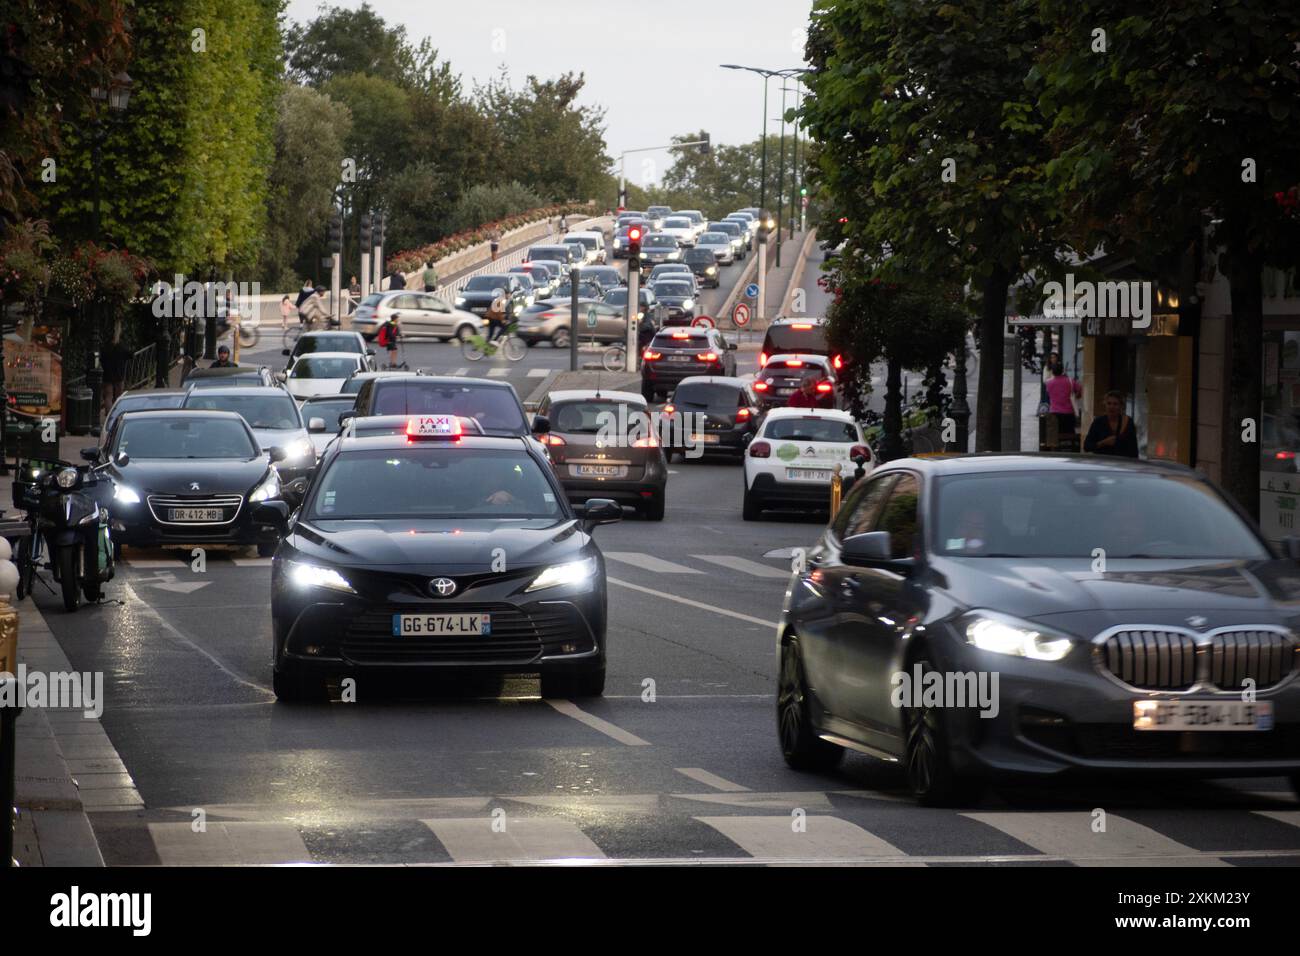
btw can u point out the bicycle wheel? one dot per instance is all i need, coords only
(473, 348)
(514, 348)
(614, 359)
(248, 337)
(291, 335)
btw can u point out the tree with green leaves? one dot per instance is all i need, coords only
(1166, 117)
(931, 148)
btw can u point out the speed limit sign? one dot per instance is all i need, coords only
(740, 315)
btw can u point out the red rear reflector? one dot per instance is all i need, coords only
(1284, 455)
(860, 451)
(760, 449)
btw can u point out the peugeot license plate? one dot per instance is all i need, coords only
(438, 625)
(194, 514)
(1191, 715)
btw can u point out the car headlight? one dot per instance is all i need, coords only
(460, 302)
(126, 494)
(688, 304)
(572, 573)
(315, 576)
(711, 270)
(269, 488)
(673, 255)
(1002, 634)
(66, 478)
(298, 448)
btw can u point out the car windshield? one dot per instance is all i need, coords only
(677, 223)
(801, 337)
(714, 239)
(1071, 514)
(328, 410)
(433, 481)
(590, 417)
(673, 289)
(811, 428)
(698, 255)
(327, 343)
(487, 283)
(707, 395)
(659, 242)
(319, 367)
(273, 410)
(147, 438)
(496, 409)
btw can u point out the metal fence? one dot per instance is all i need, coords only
(142, 367)
(448, 291)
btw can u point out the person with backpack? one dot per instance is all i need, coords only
(430, 277)
(388, 336)
(496, 314)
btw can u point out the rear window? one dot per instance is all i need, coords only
(313, 367)
(796, 337)
(496, 409)
(134, 403)
(680, 340)
(592, 417)
(327, 343)
(796, 365)
(811, 428)
(708, 395)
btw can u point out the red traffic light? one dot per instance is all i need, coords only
(634, 234)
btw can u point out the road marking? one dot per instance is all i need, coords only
(538, 372)
(1070, 835)
(648, 562)
(251, 562)
(485, 840)
(180, 587)
(147, 563)
(822, 838)
(1282, 816)
(710, 779)
(744, 565)
(569, 709)
(461, 371)
(696, 604)
(498, 372)
(228, 843)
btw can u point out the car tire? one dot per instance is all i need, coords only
(583, 684)
(26, 567)
(752, 509)
(464, 332)
(560, 338)
(266, 548)
(654, 510)
(292, 686)
(69, 563)
(927, 760)
(800, 745)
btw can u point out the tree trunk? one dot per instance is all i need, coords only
(1241, 457)
(993, 322)
(891, 439)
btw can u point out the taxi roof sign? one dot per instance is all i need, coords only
(433, 426)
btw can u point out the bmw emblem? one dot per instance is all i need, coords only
(443, 587)
(1197, 621)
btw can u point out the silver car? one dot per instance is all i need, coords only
(423, 316)
(720, 244)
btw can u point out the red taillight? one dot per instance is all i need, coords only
(824, 386)
(650, 355)
(760, 449)
(670, 409)
(551, 439)
(742, 415)
(760, 386)
(762, 359)
(1284, 455)
(860, 451)
(838, 362)
(648, 442)
(794, 363)
(801, 325)
(706, 356)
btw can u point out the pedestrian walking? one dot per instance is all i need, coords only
(287, 309)
(114, 362)
(1114, 432)
(494, 245)
(431, 277)
(1061, 393)
(396, 280)
(388, 336)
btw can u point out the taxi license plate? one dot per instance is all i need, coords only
(705, 438)
(438, 625)
(808, 474)
(195, 514)
(599, 471)
(1194, 715)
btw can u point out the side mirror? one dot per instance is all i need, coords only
(276, 453)
(282, 377)
(370, 352)
(274, 513)
(731, 346)
(345, 417)
(542, 425)
(122, 459)
(90, 454)
(316, 425)
(95, 431)
(868, 550)
(1291, 547)
(286, 352)
(600, 511)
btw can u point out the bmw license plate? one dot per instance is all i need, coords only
(1193, 715)
(808, 474)
(195, 514)
(440, 625)
(599, 471)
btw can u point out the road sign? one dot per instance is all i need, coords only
(703, 322)
(804, 203)
(751, 290)
(740, 315)
(591, 317)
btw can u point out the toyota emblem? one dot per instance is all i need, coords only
(444, 587)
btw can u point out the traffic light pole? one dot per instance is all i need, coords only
(622, 162)
(762, 277)
(573, 319)
(633, 307)
(336, 305)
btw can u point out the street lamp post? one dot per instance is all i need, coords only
(780, 181)
(766, 75)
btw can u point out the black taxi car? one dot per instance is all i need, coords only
(470, 560)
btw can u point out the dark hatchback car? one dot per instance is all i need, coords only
(797, 336)
(705, 266)
(1007, 616)
(494, 404)
(679, 353)
(784, 375)
(411, 579)
(187, 477)
(233, 376)
(711, 413)
(143, 400)
(678, 298)
(560, 252)
(604, 445)
(479, 291)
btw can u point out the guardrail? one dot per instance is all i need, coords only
(142, 367)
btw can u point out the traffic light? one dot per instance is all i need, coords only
(366, 244)
(378, 229)
(706, 147)
(634, 243)
(803, 190)
(336, 232)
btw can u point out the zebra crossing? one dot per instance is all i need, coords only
(852, 827)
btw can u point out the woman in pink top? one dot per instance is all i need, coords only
(1061, 391)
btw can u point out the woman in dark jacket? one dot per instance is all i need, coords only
(1113, 433)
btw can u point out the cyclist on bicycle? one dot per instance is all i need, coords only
(388, 336)
(313, 309)
(496, 314)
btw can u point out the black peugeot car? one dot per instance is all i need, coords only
(710, 414)
(471, 560)
(1004, 616)
(704, 264)
(187, 477)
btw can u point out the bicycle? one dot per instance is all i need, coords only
(615, 358)
(475, 347)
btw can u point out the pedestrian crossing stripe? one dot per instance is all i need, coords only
(648, 562)
(498, 372)
(538, 372)
(813, 839)
(501, 839)
(1075, 835)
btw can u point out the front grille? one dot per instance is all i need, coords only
(1152, 660)
(160, 506)
(1122, 742)
(517, 637)
(1265, 657)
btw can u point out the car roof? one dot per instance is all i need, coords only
(714, 380)
(834, 413)
(451, 380)
(985, 462)
(182, 413)
(591, 394)
(320, 333)
(141, 392)
(399, 440)
(381, 373)
(315, 355)
(336, 397)
(244, 390)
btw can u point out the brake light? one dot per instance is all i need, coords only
(860, 451)
(648, 442)
(762, 359)
(681, 335)
(838, 362)
(670, 409)
(760, 449)
(1284, 456)
(650, 355)
(707, 356)
(742, 415)
(823, 386)
(793, 363)
(551, 439)
(801, 325)
(760, 386)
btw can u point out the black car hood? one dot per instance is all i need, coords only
(174, 477)
(478, 296)
(444, 545)
(1067, 593)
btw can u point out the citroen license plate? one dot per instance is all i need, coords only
(808, 474)
(440, 625)
(1193, 715)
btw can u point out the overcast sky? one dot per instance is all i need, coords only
(652, 65)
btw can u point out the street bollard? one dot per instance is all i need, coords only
(837, 489)
(10, 695)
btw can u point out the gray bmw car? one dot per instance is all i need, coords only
(1004, 616)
